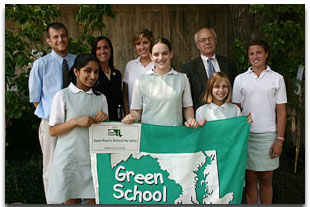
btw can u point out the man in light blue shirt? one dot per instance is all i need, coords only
(46, 78)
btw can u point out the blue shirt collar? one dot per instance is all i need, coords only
(58, 57)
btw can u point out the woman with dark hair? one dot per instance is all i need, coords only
(110, 79)
(73, 110)
(162, 96)
(262, 92)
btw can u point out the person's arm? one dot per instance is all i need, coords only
(281, 119)
(59, 129)
(125, 98)
(276, 148)
(189, 117)
(188, 110)
(134, 116)
(201, 121)
(35, 84)
(236, 93)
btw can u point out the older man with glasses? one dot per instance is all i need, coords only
(199, 69)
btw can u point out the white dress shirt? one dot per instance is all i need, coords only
(213, 61)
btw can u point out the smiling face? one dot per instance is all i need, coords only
(257, 57)
(206, 42)
(87, 76)
(161, 56)
(220, 91)
(58, 40)
(103, 51)
(143, 46)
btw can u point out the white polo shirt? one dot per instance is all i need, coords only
(162, 97)
(58, 108)
(211, 112)
(133, 70)
(259, 96)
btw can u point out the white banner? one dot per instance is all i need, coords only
(114, 137)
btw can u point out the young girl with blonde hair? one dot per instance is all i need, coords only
(217, 101)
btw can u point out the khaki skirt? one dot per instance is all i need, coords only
(259, 152)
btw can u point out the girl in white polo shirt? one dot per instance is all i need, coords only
(162, 96)
(216, 100)
(262, 92)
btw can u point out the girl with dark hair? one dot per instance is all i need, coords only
(73, 110)
(162, 96)
(134, 68)
(262, 92)
(110, 79)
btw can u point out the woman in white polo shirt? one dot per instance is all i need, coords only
(134, 68)
(261, 92)
(162, 96)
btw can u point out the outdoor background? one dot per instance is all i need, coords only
(282, 26)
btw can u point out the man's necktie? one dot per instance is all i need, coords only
(65, 74)
(211, 69)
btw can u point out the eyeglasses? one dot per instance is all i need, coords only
(210, 39)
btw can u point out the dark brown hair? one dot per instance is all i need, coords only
(163, 41)
(56, 26)
(259, 42)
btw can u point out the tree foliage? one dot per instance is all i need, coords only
(92, 18)
(23, 36)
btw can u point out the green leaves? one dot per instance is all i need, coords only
(92, 16)
(23, 33)
(92, 19)
(240, 55)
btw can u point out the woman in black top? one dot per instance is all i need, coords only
(109, 78)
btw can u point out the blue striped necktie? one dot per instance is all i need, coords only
(211, 69)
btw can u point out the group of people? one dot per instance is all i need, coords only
(207, 88)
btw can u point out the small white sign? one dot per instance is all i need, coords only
(299, 77)
(114, 137)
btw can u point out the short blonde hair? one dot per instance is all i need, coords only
(143, 33)
(215, 78)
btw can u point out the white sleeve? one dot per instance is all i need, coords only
(198, 114)
(187, 96)
(236, 93)
(126, 74)
(105, 105)
(57, 115)
(281, 92)
(136, 101)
